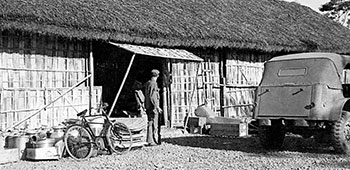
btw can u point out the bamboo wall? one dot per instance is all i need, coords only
(33, 70)
(243, 73)
(193, 83)
(184, 94)
(209, 80)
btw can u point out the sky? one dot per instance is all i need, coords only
(314, 4)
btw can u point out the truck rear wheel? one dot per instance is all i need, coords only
(271, 137)
(341, 133)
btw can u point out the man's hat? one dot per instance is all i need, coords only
(155, 72)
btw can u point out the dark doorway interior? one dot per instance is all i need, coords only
(111, 64)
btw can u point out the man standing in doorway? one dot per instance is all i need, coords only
(153, 109)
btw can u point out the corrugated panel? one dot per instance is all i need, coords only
(159, 52)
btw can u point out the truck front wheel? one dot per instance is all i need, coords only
(341, 133)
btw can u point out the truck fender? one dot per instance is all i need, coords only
(338, 107)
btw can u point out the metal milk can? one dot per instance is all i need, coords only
(58, 132)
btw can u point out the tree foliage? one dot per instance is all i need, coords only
(338, 10)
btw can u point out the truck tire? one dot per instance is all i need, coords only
(341, 133)
(271, 137)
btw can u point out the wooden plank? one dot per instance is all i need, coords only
(2, 116)
(234, 130)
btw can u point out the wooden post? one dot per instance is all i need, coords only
(122, 84)
(165, 107)
(1, 101)
(91, 70)
(222, 74)
(165, 93)
(170, 107)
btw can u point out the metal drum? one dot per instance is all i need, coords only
(17, 141)
(58, 132)
(41, 144)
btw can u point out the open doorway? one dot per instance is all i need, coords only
(111, 64)
(140, 72)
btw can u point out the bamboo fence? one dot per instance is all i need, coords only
(34, 70)
(193, 84)
(243, 74)
(183, 93)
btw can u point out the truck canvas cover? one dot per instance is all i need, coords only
(289, 83)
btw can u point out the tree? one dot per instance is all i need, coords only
(338, 10)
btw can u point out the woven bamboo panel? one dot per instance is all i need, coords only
(243, 69)
(183, 91)
(20, 103)
(208, 82)
(33, 69)
(192, 84)
(31, 61)
(239, 102)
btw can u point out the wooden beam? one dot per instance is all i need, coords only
(165, 93)
(122, 84)
(91, 70)
(222, 74)
(170, 92)
(239, 105)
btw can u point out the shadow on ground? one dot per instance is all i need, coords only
(246, 144)
(250, 144)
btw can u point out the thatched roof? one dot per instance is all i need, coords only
(268, 25)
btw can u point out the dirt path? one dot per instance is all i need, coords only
(188, 151)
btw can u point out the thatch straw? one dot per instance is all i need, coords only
(268, 25)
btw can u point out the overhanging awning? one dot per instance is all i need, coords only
(159, 52)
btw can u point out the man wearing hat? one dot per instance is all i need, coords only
(152, 109)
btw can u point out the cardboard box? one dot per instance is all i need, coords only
(232, 130)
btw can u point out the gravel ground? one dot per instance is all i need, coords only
(189, 151)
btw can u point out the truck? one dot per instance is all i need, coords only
(305, 94)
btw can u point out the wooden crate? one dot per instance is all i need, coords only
(196, 124)
(232, 130)
(196, 121)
